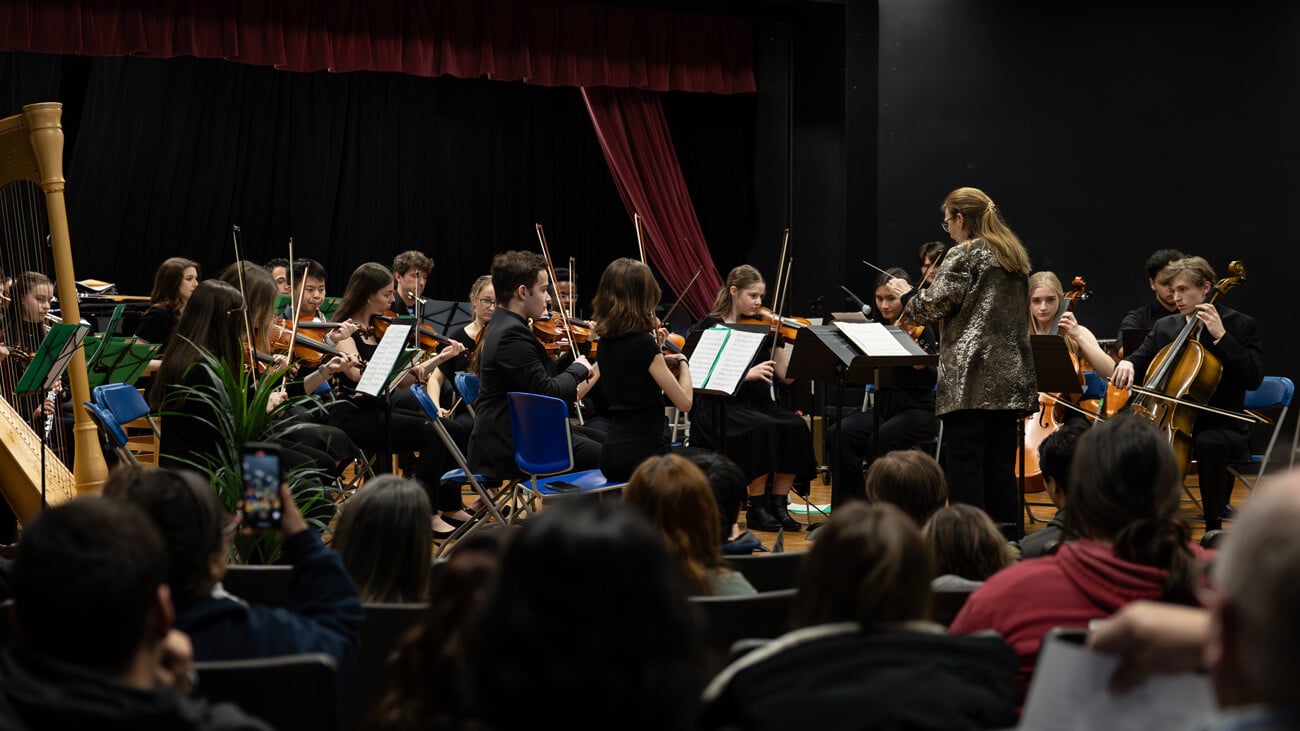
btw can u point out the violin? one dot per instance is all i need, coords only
(309, 347)
(787, 328)
(428, 338)
(557, 332)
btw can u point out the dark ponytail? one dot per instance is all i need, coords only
(1125, 489)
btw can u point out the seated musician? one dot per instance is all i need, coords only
(411, 272)
(309, 278)
(1144, 318)
(906, 410)
(173, 284)
(761, 436)
(511, 359)
(279, 269)
(404, 427)
(1233, 338)
(1045, 297)
(483, 301)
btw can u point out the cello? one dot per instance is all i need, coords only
(1050, 415)
(1181, 380)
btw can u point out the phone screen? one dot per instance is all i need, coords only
(261, 468)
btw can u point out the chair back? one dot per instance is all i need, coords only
(123, 400)
(540, 425)
(1275, 392)
(384, 626)
(289, 691)
(730, 618)
(103, 419)
(946, 603)
(771, 571)
(266, 585)
(466, 384)
(426, 402)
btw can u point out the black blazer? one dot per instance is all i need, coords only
(512, 360)
(1239, 351)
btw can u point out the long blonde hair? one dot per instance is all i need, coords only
(984, 222)
(1050, 281)
(742, 277)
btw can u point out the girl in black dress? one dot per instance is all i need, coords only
(637, 374)
(483, 301)
(761, 437)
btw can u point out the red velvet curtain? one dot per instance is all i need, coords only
(633, 133)
(545, 42)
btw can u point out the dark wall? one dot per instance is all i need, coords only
(1103, 131)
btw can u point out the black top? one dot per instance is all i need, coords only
(907, 388)
(512, 360)
(1239, 351)
(156, 325)
(460, 362)
(400, 307)
(188, 425)
(1143, 318)
(624, 369)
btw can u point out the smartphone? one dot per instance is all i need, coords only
(261, 506)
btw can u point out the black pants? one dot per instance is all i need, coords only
(1213, 448)
(978, 458)
(849, 443)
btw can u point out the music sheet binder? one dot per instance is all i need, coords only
(387, 361)
(719, 357)
(833, 353)
(1052, 365)
(116, 359)
(51, 359)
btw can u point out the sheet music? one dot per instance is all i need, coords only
(1069, 691)
(872, 338)
(721, 358)
(380, 365)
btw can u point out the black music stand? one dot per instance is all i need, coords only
(824, 353)
(1054, 372)
(48, 365)
(443, 315)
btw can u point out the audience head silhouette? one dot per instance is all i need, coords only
(674, 496)
(910, 480)
(384, 540)
(966, 543)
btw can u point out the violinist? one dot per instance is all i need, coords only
(279, 269)
(309, 278)
(411, 271)
(369, 292)
(637, 375)
(905, 401)
(566, 294)
(762, 438)
(1233, 338)
(511, 359)
(483, 302)
(1144, 318)
(986, 376)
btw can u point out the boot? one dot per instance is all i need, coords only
(780, 511)
(759, 515)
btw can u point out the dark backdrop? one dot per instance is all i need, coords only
(1104, 131)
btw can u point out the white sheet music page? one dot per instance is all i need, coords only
(872, 338)
(1069, 691)
(706, 353)
(381, 363)
(730, 367)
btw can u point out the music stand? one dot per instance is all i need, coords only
(720, 404)
(48, 365)
(443, 315)
(1054, 372)
(117, 359)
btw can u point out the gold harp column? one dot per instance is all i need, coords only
(89, 469)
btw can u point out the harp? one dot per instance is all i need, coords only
(31, 154)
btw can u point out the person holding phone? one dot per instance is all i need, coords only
(324, 613)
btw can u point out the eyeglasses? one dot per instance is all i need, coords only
(944, 225)
(485, 302)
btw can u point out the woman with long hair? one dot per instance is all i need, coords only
(1132, 544)
(761, 437)
(173, 285)
(637, 374)
(383, 538)
(986, 378)
(674, 495)
(374, 426)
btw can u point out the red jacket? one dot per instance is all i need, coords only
(1082, 582)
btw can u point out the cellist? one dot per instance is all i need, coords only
(1233, 338)
(1045, 302)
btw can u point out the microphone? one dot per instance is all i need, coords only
(866, 308)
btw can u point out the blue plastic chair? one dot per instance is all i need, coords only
(466, 384)
(1274, 393)
(125, 402)
(544, 448)
(107, 424)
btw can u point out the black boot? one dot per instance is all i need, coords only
(780, 511)
(759, 516)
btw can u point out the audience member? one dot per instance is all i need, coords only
(727, 481)
(324, 612)
(384, 540)
(862, 655)
(674, 495)
(1055, 453)
(1248, 640)
(1132, 544)
(429, 675)
(910, 480)
(968, 548)
(94, 614)
(588, 622)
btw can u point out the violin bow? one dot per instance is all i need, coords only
(685, 289)
(573, 288)
(300, 288)
(248, 327)
(640, 236)
(550, 268)
(780, 269)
